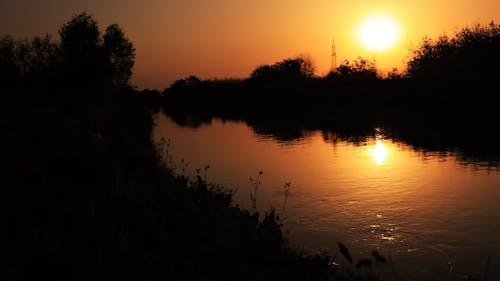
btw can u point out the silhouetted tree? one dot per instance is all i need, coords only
(27, 61)
(359, 69)
(43, 60)
(262, 72)
(84, 57)
(185, 83)
(471, 54)
(9, 71)
(80, 36)
(288, 70)
(394, 74)
(121, 54)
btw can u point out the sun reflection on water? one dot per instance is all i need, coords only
(377, 190)
(379, 152)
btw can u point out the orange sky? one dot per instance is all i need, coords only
(229, 38)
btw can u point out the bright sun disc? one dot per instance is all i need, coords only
(378, 33)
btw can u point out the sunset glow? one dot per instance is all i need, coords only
(222, 39)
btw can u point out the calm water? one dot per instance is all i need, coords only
(434, 217)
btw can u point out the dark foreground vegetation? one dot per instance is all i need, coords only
(445, 99)
(85, 195)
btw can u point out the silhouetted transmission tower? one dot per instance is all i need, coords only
(334, 57)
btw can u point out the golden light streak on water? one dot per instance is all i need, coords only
(379, 152)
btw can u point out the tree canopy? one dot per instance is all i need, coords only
(360, 69)
(121, 54)
(89, 55)
(471, 53)
(290, 70)
(83, 56)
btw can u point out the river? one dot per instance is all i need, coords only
(434, 215)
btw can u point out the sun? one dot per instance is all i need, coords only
(378, 32)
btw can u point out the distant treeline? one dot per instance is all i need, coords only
(445, 98)
(470, 55)
(470, 59)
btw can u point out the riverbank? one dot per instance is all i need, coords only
(88, 197)
(459, 119)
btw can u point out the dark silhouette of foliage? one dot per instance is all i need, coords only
(121, 54)
(43, 58)
(288, 70)
(79, 36)
(345, 252)
(9, 67)
(84, 57)
(28, 61)
(184, 84)
(359, 70)
(95, 59)
(89, 197)
(471, 54)
(395, 74)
